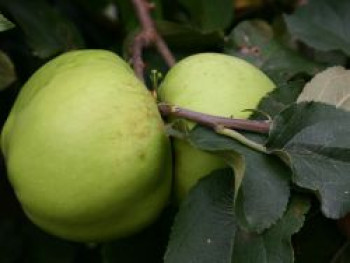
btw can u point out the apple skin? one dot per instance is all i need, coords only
(215, 84)
(86, 149)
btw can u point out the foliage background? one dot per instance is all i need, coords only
(275, 35)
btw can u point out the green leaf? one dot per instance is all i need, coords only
(326, 58)
(209, 16)
(47, 31)
(331, 87)
(255, 42)
(274, 245)
(184, 36)
(204, 228)
(261, 181)
(313, 138)
(5, 24)
(322, 24)
(286, 93)
(7, 71)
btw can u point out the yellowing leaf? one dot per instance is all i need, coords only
(331, 86)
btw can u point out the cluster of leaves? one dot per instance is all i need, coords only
(280, 205)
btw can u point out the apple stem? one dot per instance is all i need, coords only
(148, 36)
(214, 121)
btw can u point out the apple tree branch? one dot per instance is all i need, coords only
(149, 36)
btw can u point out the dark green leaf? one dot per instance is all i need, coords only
(274, 245)
(313, 138)
(5, 24)
(264, 180)
(286, 93)
(322, 24)
(204, 227)
(7, 71)
(47, 31)
(209, 16)
(326, 58)
(184, 36)
(254, 41)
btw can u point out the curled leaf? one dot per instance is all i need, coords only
(331, 86)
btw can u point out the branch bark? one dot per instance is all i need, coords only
(214, 121)
(148, 36)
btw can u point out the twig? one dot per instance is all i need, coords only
(214, 121)
(146, 37)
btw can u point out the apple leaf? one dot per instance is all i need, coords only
(5, 24)
(209, 16)
(274, 245)
(343, 255)
(263, 190)
(184, 36)
(331, 86)
(280, 98)
(313, 139)
(47, 31)
(255, 42)
(204, 228)
(322, 24)
(7, 71)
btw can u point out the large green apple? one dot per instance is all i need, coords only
(86, 149)
(214, 84)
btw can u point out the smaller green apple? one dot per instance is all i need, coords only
(215, 84)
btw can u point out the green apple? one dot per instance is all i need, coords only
(86, 149)
(215, 84)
